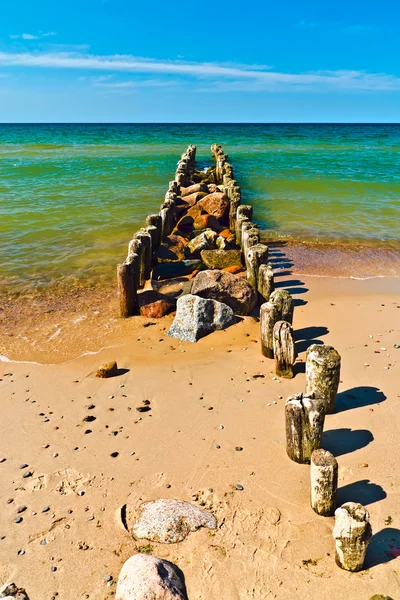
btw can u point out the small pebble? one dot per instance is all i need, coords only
(23, 466)
(221, 426)
(55, 454)
(239, 487)
(21, 509)
(218, 446)
(238, 448)
(2, 460)
(397, 346)
(21, 552)
(364, 465)
(46, 509)
(90, 519)
(114, 454)
(54, 569)
(27, 474)
(81, 493)
(18, 520)
(168, 485)
(108, 578)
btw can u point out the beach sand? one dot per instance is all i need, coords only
(269, 543)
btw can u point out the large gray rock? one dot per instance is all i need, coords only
(204, 241)
(168, 521)
(145, 577)
(227, 288)
(197, 317)
(9, 591)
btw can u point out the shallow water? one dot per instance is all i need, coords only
(71, 196)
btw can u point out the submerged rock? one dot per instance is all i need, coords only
(226, 287)
(197, 317)
(145, 577)
(169, 521)
(107, 370)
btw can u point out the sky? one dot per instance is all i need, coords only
(169, 61)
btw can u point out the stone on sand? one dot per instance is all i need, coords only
(145, 577)
(107, 370)
(197, 317)
(227, 288)
(10, 591)
(154, 305)
(169, 521)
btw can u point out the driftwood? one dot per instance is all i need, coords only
(323, 373)
(305, 416)
(268, 317)
(324, 478)
(284, 352)
(256, 256)
(284, 302)
(265, 282)
(127, 277)
(352, 533)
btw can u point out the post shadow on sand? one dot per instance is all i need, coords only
(357, 397)
(307, 336)
(345, 440)
(362, 491)
(384, 546)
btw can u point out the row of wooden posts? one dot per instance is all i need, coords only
(304, 413)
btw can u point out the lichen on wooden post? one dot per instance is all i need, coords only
(127, 277)
(155, 221)
(304, 416)
(265, 282)
(284, 352)
(324, 478)
(250, 236)
(284, 302)
(256, 256)
(323, 373)
(268, 317)
(145, 256)
(352, 533)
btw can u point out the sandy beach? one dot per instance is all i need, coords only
(269, 543)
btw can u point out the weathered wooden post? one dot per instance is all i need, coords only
(352, 533)
(256, 256)
(155, 221)
(146, 255)
(284, 352)
(127, 277)
(323, 373)
(305, 416)
(244, 213)
(284, 302)
(324, 478)
(268, 317)
(265, 282)
(250, 235)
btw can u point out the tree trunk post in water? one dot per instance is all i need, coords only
(352, 533)
(268, 317)
(284, 352)
(265, 283)
(255, 257)
(127, 276)
(305, 416)
(324, 478)
(284, 302)
(146, 255)
(323, 373)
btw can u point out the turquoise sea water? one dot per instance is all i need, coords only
(71, 196)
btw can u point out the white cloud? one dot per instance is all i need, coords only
(253, 77)
(30, 36)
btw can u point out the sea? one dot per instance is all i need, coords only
(72, 195)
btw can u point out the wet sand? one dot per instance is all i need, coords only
(269, 542)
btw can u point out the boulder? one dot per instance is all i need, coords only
(212, 187)
(204, 241)
(197, 317)
(172, 248)
(9, 591)
(206, 222)
(224, 243)
(154, 305)
(194, 212)
(220, 259)
(184, 226)
(192, 189)
(145, 577)
(216, 204)
(235, 270)
(192, 199)
(168, 521)
(107, 370)
(179, 268)
(227, 288)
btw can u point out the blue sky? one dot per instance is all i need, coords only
(159, 61)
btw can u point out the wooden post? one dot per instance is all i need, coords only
(324, 478)
(268, 317)
(127, 285)
(323, 373)
(145, 256)
(284, 303)
(265, 282)
(250, 235)
(244, 211)
(256, 256)
(155, 221)
(283, 349)
(305, 416)
(238, 229)
(352, 533)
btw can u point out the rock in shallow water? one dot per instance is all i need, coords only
(169, 521)
(197, 317)
(145, 577)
